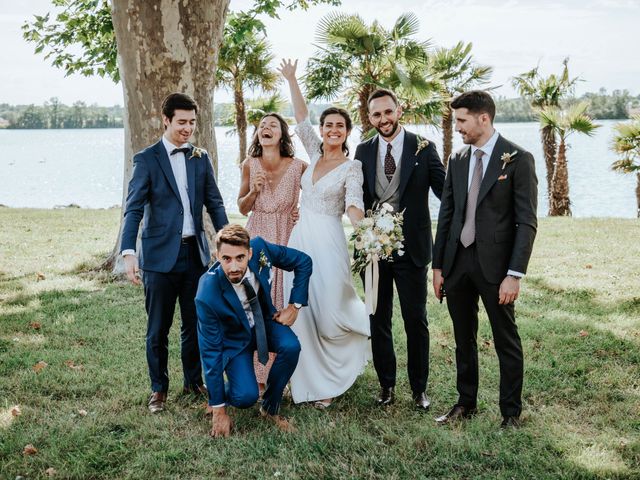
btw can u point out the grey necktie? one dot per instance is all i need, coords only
(258, 320)
(468, 235)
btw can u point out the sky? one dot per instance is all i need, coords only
(599, 36)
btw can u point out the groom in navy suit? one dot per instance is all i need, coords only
(236, 317)
(171, 182)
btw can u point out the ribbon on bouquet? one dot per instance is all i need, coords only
(371, 275)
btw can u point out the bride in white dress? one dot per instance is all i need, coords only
(334, 329)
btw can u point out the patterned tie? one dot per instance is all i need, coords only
(389, 164)
(468, 235)
(261, 335)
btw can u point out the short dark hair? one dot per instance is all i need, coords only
(177, 101)
(347, 120)
(382, 92)
(476, 101)
(233, 234)
(286, 144)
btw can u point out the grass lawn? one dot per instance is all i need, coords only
(85, 410)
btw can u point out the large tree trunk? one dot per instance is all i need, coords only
(559, 203)
(447, 133)
(241, 120)
(638, 195)
(165, 46)
(549, 149)
(363, 110)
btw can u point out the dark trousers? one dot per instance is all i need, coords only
(161, 291)
(464, 285)
(411, 284)
(241, 389)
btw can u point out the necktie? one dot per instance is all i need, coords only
(468, 235)
(184, 150)
(389, 164)
(261, 335)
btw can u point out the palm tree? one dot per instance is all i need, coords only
(243, 62)
(458, 73)
(564, 123)
(261, 106)
(355, 58)
(626, 143)
(543, 93)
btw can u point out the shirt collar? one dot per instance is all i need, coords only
(487, 148)
(169, 147)
(396, 142)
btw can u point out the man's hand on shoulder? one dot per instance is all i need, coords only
(220, 423)
(287, 316)
(131, 268)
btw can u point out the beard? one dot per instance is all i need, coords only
(394, 128)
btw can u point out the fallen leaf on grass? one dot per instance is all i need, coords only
(583, 333)
(29, 450)
(35, 325)
(488, 454)
(82, 413)
(40, 366)
(50, 471)
(15, 411)
(72, 365)
(40, 276)
(588, 265)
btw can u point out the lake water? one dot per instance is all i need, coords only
(48, 168)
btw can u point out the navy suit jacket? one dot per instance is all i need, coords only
(154, 198)
(223, 326)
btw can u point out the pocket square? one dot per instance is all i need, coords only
(416, 164)
(502, 177)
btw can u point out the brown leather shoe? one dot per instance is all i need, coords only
(282, 423)
(422, 401)
(198, 390)
(157, 402)
(511, 422)
(387, 396)
(457, 413)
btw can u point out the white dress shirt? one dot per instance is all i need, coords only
(242, 294)
(396, 147)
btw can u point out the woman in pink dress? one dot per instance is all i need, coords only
(269, 189)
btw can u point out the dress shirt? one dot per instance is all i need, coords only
(396, 147)
(242, 293)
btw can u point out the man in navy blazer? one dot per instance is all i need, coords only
(171, 182)
(236, 317)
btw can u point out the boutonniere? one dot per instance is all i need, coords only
(263, 261)
(507, 158)
(196, 152)
(422, 144)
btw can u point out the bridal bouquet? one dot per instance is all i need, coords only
(377, 237)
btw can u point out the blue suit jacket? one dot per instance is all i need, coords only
(153, 194)
(223, 326)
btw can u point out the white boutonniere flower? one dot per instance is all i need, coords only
(508, 158)
(422, 144)
(196, 152)
(263, 261)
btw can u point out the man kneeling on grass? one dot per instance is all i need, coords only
(236, 317)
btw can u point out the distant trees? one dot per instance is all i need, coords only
(53, 114)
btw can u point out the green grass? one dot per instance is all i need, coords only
(579, 317)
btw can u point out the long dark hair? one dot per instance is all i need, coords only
(286, 144)
(347, 120)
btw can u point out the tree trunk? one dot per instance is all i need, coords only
(241, 120)
(363, 110)
(638, 195)
(165, 46)
(447, 134)
(559, 204)
(549, 149)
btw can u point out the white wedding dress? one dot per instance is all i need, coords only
(334, 329)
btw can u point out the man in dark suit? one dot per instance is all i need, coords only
(236, 317)
(486, 228)
(399, 168)
(171, 182)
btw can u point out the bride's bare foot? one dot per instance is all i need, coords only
(279, 421)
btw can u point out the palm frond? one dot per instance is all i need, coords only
(406, 25)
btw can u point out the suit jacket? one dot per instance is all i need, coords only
(154, 198)
(418, 172)
(223, 326)
(506, 219)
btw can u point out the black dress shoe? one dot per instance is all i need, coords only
(387, 396)
(199, 390)
(457, 412)
(511, 422)
(422, 401)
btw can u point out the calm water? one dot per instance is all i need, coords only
(47, 168)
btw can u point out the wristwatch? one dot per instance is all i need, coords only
(297, 306)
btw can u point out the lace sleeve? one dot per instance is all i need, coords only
(309, 138)
(353, 186)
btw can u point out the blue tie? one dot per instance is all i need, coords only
(258, 320)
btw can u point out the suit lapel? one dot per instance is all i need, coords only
(493, 169)
(370, 162)
(191, 177)
(165, 165)
(463, 179)
(232, 299)
(409, 147)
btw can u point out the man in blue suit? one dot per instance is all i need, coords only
(171, 182)
(236, 317)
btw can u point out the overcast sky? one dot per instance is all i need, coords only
(600, 36)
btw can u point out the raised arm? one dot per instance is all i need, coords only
(288, 71)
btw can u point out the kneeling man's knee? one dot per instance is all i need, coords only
(245, 398)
